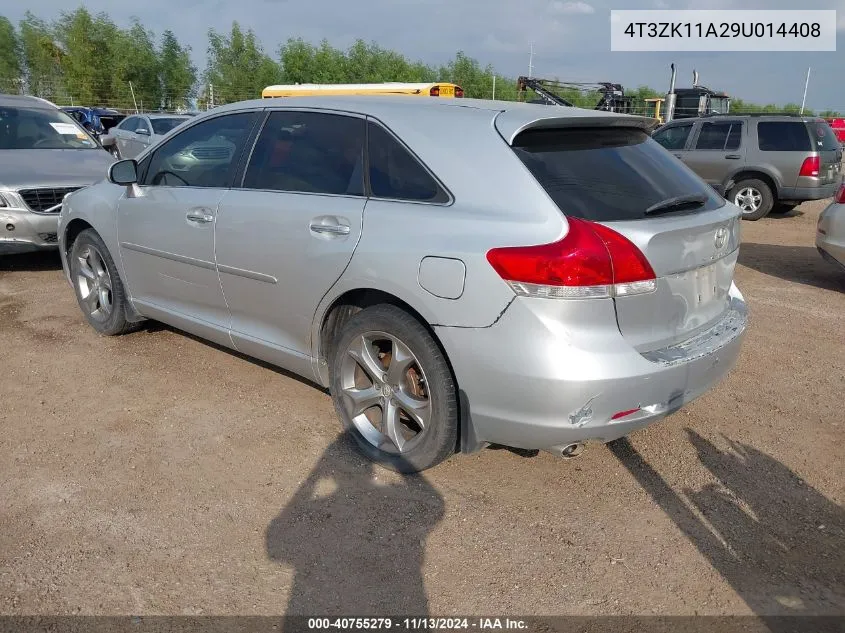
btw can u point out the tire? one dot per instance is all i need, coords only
(422, 385)
(97, 285)
(753, 196)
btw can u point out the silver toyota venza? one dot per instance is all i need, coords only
(458, 274)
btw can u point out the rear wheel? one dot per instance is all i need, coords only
(393, 390)
(98, 288)
(753, 197)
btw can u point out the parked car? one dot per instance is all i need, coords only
(838, 127)
(830, 232)
(457, 273)
(761, 162)
(98, 121)
(138, 131)
(44, 154)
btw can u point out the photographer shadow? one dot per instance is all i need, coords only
(355, 535)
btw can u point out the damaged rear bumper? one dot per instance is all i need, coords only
(541, 380)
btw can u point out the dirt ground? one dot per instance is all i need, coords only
(156, 474)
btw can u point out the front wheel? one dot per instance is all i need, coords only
(99, 291)
(753, 197)
(393, 390)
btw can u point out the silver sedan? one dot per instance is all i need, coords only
(457, 274)
(830, 232)
(138, 131)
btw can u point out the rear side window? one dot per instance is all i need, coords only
(783, 136)
(719, 136)
(824, 137)
(674, 138)
(607, 174)
(396, 174)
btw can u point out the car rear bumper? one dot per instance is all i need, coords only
(808, 193)
(22, 231)
(830, 234)
(534, 383)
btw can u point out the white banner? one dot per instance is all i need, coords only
(722, 30)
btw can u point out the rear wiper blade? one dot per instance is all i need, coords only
(678, 203)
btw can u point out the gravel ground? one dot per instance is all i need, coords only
(156, 474)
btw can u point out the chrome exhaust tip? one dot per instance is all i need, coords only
(571, 451)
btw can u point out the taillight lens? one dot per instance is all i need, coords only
(435, 91)
(592, 260)
(840, 194)
(459, 92)
(810, 166)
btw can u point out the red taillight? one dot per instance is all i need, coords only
(590, 261)
(459, 92)
(840, 194)
(810, 166)
(435, 91)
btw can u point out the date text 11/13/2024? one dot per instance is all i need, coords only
(416, 624)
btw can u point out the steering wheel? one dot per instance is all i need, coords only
(160, 176)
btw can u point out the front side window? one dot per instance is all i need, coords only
(204, 155)
(309, 152)
(41, 128)
(396, 174)
(130, 124)
(673, 138)
(783, 136)
(719, 136)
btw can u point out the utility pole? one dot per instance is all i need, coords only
(132, 90)
(531, 61)
(806, 84)
(210, 97)
(494, 86)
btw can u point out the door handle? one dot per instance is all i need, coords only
(733, 156)
(200, 216)
(330, 229)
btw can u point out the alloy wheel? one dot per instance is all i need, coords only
(384, 392)
(748, 199)
(94, 283)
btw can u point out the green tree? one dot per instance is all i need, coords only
(90, 43)
(178, 75)
(135, 60)
(10, 57)
(42, 57)
(238, 68)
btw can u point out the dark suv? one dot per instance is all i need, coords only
(759, 163)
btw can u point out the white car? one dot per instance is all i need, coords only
(135, 133)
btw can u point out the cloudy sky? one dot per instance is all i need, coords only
(571, 38)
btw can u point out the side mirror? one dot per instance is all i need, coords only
(143, 131)
(123, 172)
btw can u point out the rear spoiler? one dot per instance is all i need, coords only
(513, 121)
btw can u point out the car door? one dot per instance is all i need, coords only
(674, 138)
(285, 236)
(141, 137)
(166, 225)
(717, 151)
(124, 135)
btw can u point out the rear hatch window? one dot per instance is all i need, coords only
(824, 137)
(608, 174)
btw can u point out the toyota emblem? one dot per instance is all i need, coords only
(721, 238)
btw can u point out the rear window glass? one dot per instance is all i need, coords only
(607, 174)
(719, 136)
(824, 137)
(783, 136)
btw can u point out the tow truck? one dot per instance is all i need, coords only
(612, 96)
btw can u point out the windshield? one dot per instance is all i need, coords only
(163, 126)
(41, 128)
